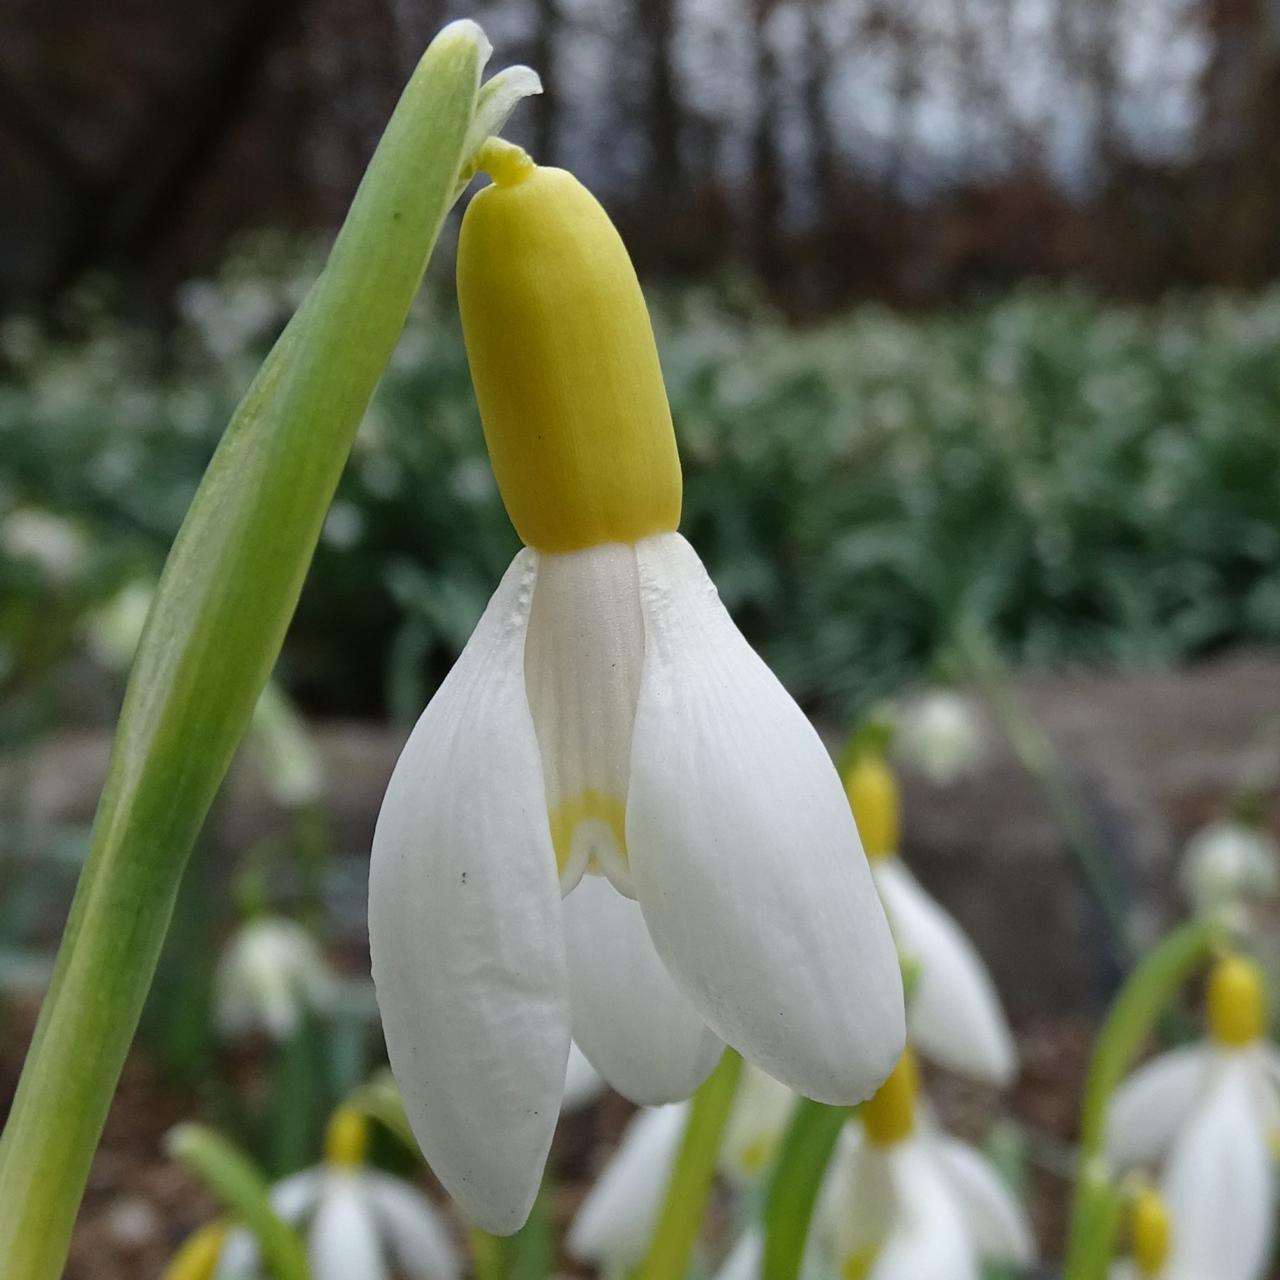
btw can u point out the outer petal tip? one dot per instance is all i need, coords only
(745, 856)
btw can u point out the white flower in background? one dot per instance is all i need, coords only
(613, 1226)
(1227, 861)
(53, 545)
(942, 734)
(607, 737)
(617, 1219)
(283, 748)
(270, 974)
(115, 627)
(583, 1084)
(758, 1119)
(954, 1015)
(908, 1202)
(1209, 1113)
(745, 1258)
(357, 1223)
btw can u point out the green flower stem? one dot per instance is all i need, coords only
(794, 1184)
(219, 616)
(380, 1100)
(694, 1172)
(1041, 760)
(234, 1179)
(1148, 992)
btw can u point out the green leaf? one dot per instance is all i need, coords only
(794, 1185)
(235, 1180)
(224, 601)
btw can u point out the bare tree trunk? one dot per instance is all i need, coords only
(659, 16)
(822, 143)
(766, 176)
(543, 58)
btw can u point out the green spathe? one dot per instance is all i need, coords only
(225, 598)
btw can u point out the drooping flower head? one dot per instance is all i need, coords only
(955, 1017)
(606, 737)
(1207, 1114)
(942, 734)
(1229, 861)
(355, 1221)
(907, 1200)
(268, 977)
(1149, 1234)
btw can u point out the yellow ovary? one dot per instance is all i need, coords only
(873, 796)
(198, 1257)
(857, 1266)
(1149, 1232)
(564, 363)
(889, 1116)
(595, 818)
(346, 1138)
(1235, 1002)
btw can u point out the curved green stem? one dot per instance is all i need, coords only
(234, 1179)
(1146, 994)
(216, 625)
(794, 1185)
(691, 1179)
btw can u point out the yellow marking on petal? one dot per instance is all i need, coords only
(857, 1266)
(347, 1138)
(590, 806)
(873, 796)
(889, 1116)
(1149, 1231)
(197, 1259)
(564, 364)
(1235, 1005)
(755, 1155)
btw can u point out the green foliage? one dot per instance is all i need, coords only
(1080, 481)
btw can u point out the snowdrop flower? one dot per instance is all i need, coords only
(270, 973)
(1227, 861)
(115, 627)
(942, 734)
(955, 1016)
(50, 543)
(613, 1227)
(291, 766)
(618, 1217)
(913, 1202)
(357, 1223)
(199, 1255)
(758, 1119)
(1148, 1242)
(583, 1084)
(1210, 1112)
(609, 738)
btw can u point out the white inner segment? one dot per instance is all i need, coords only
(582, 661)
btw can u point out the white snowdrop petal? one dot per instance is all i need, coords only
(238, 1259)
(414, 1229)
(1148, 1107)
(744, 854)
(617, 1218)
(1217, 1186)
(465, 927)
(343, 1241)
(743, 1262)
(761, 1109)
(954, 1016)
(583, 1084)
(929, 1237)
(997, 1222)
(582, 671)
(295, 1196)
(632, 1022)
(868, 1205)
